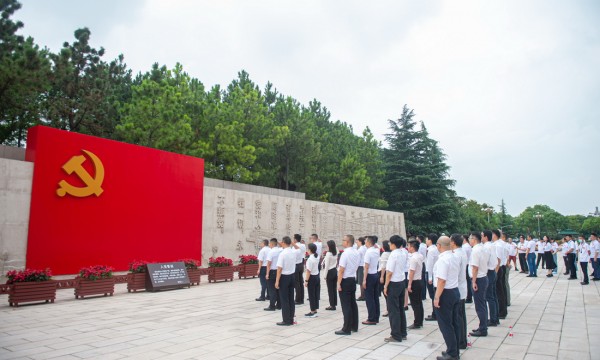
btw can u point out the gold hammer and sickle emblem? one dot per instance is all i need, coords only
(93, 184)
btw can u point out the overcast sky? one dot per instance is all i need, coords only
(510, 89)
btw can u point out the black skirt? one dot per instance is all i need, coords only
(550, 264)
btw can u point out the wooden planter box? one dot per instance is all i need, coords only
(248, 270)
(194, 276)
(136, 281)
(220, 273)
(94, 287)
(32, 291)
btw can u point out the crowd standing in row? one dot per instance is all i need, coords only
(453, 270)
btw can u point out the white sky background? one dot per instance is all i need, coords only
(510, 89)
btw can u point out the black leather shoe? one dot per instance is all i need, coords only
(584, 283)
(360, 299)
(468, 301)
(414, 327)
(269, 309)
(331, 308)
(281, 323)
(501, 317)
(478, 333)
(298, 303)
(260, 299)
(430, 318)
(340, 332)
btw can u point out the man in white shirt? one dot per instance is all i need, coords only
(315, 239)
(468, 249)
(447, 297)
(584, 257)
(415, 283)
(394, 289)
(299, 251)
(530, 253)
(512, 253)
(286, 267)
(371, 281)
(262, 269)
(346, 284)
(479, 282)
(272, 257)
(571, 257)
(522, 251)
(502, 253)
(432, 257)
(595, 256)
(493, 266)
(423, 252)
(461, 256)
(360, 273)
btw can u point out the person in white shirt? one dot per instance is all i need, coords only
(262, 269)
(530, 253)
(415, 284)
(540, 253)
(360, 273)
(584, 257)
(423, 252)
(493, 266)
(314, 238)
(272, 257)
(571, 257)
(548, 258)
(502, 253)
(595, 256)
(522, 251)
(461, 256)
(447, 297)
(468, 249)
(554, 255)
(479, 282)
(394, 290)
(329, 265)
(371, 281)
(312, 280)
(349, 262)
(432, 257)
(300, 251)
(383, 258)
(512, 253)
(286, 267)
(508, 244)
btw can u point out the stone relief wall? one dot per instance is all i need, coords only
(236, 221)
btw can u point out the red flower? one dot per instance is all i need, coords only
(138, 266)
(96, 272)
(28, 275)
(248, 259)
(191, 264)
(220, 261)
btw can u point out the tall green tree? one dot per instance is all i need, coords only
(24, 73)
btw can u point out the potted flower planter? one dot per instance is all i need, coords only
(248, 270)
(32, 291)
(194, 276)
(220, 273)
(86, 287)
(136, 281)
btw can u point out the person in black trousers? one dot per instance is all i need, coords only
(415, 285)
(286, 266)
(571, 257)
(479, 282)
(347, 286)
(522, 250)
(394, 288)
(262, 270)
(300, 250)
(272, 257)
(329, 265)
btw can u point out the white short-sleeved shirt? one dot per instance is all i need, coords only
(262, 255)
(273, 257)
(467, 249)
(300, 252)
(493, 260)
(460, 255)
(312, 265)
(540, 246)
(432, 257)
(531, 246)
(512, 249)
(522, 247)
(383, 260)
(479, 258)
(330, 261)
(447, 268)
(396, 264)
(349, 261)
(571, 245)
(583, 252)
(287, 261)
(362, 251)
(547, 246)
(415, 263)
(501, 251)
(319, 248)
(595, 248)
(372, 259)
(423, 250)
(407, 255)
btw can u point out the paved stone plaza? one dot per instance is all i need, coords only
(551, 318)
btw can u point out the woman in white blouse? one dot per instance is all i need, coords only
(329, 265)
(382, 263)
(312, 279)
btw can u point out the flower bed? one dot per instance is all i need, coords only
(137, 277)
(220, 268)
(248, 266)
(29, 286)
(95, 280)
(193, 271)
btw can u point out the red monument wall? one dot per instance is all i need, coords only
(96, 201)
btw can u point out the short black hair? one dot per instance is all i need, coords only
(397, 240)
(386, 245)
(487, 234)
(274, 241)
(350, 239)
(497, 232)
(433, 237)
(265, 242)
(476, 235)
(414, 244)
(287, 240)
(372, 239)
(421, 238)
(594, 234)
(297, 237)
(457, 239)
